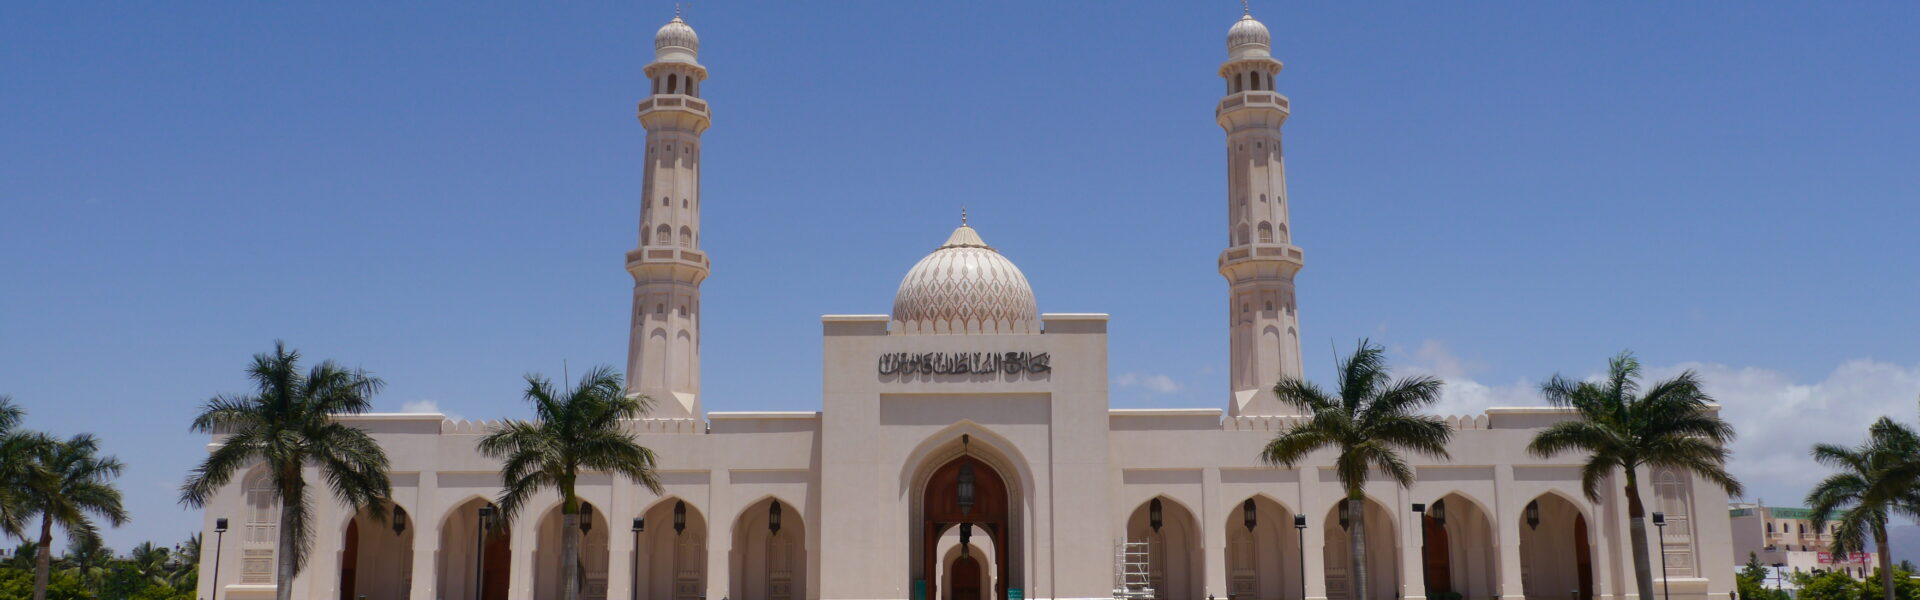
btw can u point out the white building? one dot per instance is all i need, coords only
(967, 380)
(1789, 539)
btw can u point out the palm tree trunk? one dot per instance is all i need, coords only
(291, 501)
(43, 558)
(1357, 539)
(570, 548)
(1637, 517)
(1886, 559)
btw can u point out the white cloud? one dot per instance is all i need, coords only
(1156, 383)
(425, 406)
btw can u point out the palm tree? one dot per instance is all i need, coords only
(288, 423)
(1673, 425)
(184, 571)
(70, 485)
(1873, 481)
(150, 562)
(87, 557)
(17, 449)
(578, 431)
(1370, 423)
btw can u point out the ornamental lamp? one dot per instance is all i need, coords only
(1439, 512)
(1154, 515)
(965, 488)
(679, 516)
(1344, 514)
(966, 537)
(1249, 514)
(1533, 514)
(773, 517)
(399, 520)
(586, 517)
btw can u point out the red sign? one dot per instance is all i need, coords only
(1828, 558)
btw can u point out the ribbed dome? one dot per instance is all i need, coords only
(1249, 38)
(676, 37)
(964, 281)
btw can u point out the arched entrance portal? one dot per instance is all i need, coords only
(1263, 552)
(672, 563)
(1174, 558)
(769, 557)
(1457, 549)
(967, 496)
(1382, 553)
(475, 553)
(376, 562)
(1554, 555)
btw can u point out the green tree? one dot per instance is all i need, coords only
(1871, 482)
(70, 485)
(150, 563)
(87, 559)
(1372, 420)
(288, 423)
(1751, 581)
(17, 451)
(1672, 425)
(576, 430)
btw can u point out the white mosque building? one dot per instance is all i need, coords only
(965, 449)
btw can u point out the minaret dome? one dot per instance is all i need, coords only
(1248, 38)
(676, 42)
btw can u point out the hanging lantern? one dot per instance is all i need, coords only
(773, 517)
(1247, 514)
(965, 488)
(1154, 515)
(1438, 512)
(1533, 514)
(586, 517)
(399, 520)
(679, 516)
(1344, 504)
(966, 537)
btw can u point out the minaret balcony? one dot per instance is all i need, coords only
(675, 109)
(1252, 102)
(673, 257)
(1287, 257)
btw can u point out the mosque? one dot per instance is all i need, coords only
(965, 449)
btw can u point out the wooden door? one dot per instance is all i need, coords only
(1435, 549)
(966, 578)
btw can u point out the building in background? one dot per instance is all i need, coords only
(1789, 539)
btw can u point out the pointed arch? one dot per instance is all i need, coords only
(762, 562)
(671, 563)
(1262, 563)
(1176, 555)
(1556, 551)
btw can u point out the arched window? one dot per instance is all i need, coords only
(673, 83)
(663, 201)
(1239, 82)
(262, 529)
(1241, 237)
(664, 236)
(686, 237)
(1670, 491)
(1266, 233)
(1256, 80)
(683, 203)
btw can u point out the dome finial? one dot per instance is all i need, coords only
(1245, 10)
(963, 216)
(676, 8)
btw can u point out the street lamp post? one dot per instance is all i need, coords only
(1780, 574)
(639, 525)
(219, 538)
(1300, 525)
(480, 552)
(1660, 522)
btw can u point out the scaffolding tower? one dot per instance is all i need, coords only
(1131, 580)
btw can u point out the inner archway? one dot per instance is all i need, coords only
(475, 553)
(1263, 561)
(1382, 553)
(968, 491)
(1174, 557)
(1554, 558)
(591, 571)
(1457, 548)
(769, 557)
(376, 562)
(672, 562)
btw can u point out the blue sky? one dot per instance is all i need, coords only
(442, 194)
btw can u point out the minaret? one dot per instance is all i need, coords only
(663, 351)
(1260, 259)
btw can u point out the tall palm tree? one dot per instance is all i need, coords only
(185, 569)
(149, 561)
(1874, 480)
(70, 485)
(1372, 420)
(576, 430)
(1672, 425)
(288, 423)
(87, 558)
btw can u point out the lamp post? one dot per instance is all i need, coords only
(640, 524)
(219, 538)
(1780, 573)
(1300, 525)
(480, 552)
(1660, 522)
